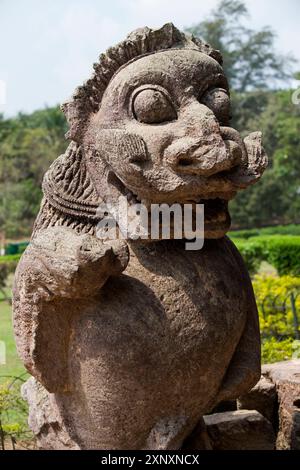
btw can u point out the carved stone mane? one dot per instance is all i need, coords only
(69, 196)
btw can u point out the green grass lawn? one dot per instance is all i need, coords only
(13, 410)
(13, 366)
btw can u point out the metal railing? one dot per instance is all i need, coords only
(274, 304)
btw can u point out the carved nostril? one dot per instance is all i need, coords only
(185, 161)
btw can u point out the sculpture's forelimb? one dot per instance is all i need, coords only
(59, 273)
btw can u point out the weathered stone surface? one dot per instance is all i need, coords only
(240, 430)
(135, 340)
(286, 377)
(229, 405)
(198, 439)
(44, 418)
(263, 398)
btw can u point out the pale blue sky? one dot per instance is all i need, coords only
(47, 47)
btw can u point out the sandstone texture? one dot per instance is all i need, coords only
(263, 398)
(130, 340)
(44, 419)
(276, 396)
(240, 430)
(286, 377)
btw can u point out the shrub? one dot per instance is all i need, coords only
(8, 265)
(9, 262)
(291, 229)
(13, 416)
(273, 302)
(15, 248)
(9, 258)
(281, 251)
(284, 254)
(274, 351)
(252, 251)
(244, 234)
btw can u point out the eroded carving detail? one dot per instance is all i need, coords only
(132, 360)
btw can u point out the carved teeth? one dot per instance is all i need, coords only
(130, 196)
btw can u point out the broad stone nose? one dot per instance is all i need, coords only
(200, 148)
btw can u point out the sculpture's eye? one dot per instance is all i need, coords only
(152, 106)
(217, 99)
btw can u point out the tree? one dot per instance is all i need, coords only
(250, 60)
(255, 70)
(276, 198)
(28, 144)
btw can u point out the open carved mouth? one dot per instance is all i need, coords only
(216, 215)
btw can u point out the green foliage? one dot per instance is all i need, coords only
(284, 254)
(281, 251)
(13, 365)
(28, 144)
(13, 415)
(250, 61)
(8, 265)
(275, 199)
(9, 258)
(276, 323)
(10, 261)
(272, 295)
(291, 229)
(13, 410)
(15, 248)
(273, 350)
(252, 252)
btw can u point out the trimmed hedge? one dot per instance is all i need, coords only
(291, 229)
(16, 248)
(284, 255)
(8, 264)
(281, 251)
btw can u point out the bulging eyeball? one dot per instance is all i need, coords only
(217, 99)
(153, 106)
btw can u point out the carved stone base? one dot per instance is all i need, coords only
(240, 430)
(275, 399)
(277, 396)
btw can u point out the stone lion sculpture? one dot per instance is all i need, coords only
(130, 342)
